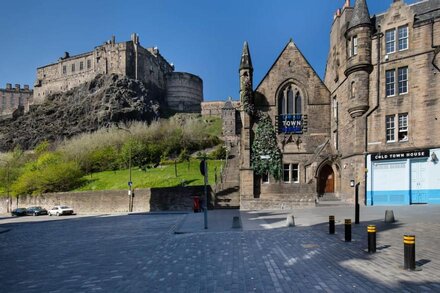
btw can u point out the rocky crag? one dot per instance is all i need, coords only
(102, 102)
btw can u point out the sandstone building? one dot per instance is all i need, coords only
(14, 99)
(372, 122)
(182, 91)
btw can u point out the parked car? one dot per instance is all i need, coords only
(36, 211)
(60, 210)
(18, 212)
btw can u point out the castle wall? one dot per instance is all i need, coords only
(184, 92)
(215, 108)
(11, 98)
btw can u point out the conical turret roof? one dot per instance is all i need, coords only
(361, 15)
(246, 62)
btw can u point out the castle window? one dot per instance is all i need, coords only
(335, 109)
(73, 67)
(290, 101)
(390, 82)
(390, 39)
(403, 37)
(64, 69)
(403, 80)
(81, 65)
(290, 173)
(89, 64)
(354, 46)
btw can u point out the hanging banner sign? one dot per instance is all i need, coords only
(399, 155)
(290, 123)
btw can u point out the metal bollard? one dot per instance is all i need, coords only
(409, 246)
(371, 238)
(347, 230)
(331, 224)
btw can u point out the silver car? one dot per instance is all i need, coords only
(60, 210)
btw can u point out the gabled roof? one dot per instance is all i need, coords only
(292, 44)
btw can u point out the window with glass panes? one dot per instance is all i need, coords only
(390, 82)
(402, 37)
(265, 178)
(290, 173)
(403, 127)
(390, 128)
(390, 41)
(354, 46)
(73, 67)
(402, 80)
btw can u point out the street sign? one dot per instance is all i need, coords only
(130, 183)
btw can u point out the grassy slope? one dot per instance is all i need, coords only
(163, 176)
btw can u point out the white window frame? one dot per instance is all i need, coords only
(390, 42)
(403, 38)
(291, 167)
(403, 126)
(354, 46)
(390, 128)
(390, 85)
(402, 80)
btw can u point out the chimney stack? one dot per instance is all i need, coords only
(26, 87)
(9, 86)
(17, 87)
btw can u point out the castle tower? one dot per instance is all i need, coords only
(359, 65)
(246, 98)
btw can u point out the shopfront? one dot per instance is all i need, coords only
(403, 178)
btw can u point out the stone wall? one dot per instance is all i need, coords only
(116, 201)
(13, 97)
(184, 92)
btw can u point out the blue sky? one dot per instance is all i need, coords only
(204, 37)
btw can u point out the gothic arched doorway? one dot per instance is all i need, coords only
(326, 182)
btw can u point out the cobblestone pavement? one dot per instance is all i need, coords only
(142, 253)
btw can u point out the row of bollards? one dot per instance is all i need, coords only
(409, 242)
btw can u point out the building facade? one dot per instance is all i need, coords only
(184, 91)
(371, 123)
(14, 99)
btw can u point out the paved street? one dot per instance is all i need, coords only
(174, 253)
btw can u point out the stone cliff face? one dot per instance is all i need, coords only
(106, 100)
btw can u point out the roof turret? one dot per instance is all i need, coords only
(361, 15)
(246, 62)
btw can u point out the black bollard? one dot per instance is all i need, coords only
(409, 246)
(371, 238)
(347, 230)
(331, 224)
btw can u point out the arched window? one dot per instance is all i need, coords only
(290, 101)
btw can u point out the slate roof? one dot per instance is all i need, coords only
(246, 62)
(361, 15)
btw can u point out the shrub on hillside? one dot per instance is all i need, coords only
(219, 153)
(49, 173)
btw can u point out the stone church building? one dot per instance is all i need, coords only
(372, 122)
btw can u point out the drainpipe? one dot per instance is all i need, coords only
(436, 48)
(379, 35)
